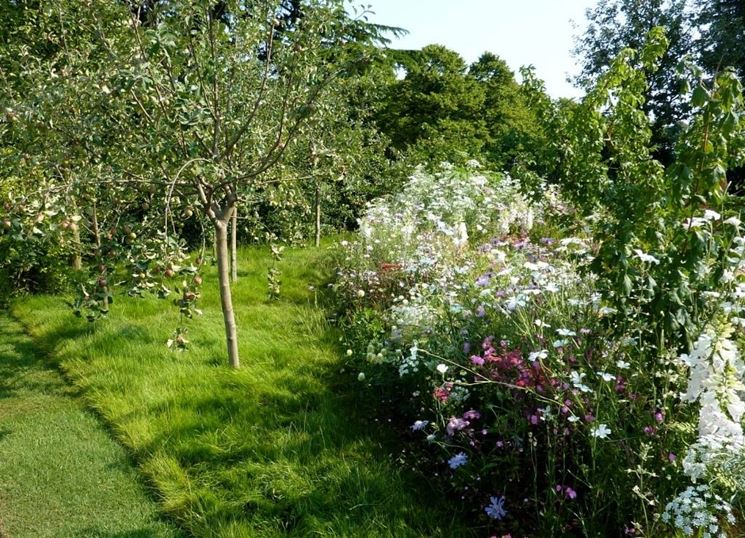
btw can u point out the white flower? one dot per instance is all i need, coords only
(539, 323)
(442, 368)
(573, 418)
(623, 365)
(646, 258)
(566, 332)
(606, 376)
(537, 355)
(361, 376)
(601, 431)
(577, 381)
(711, 215)
(733, 221)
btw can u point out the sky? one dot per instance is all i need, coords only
(522, 32)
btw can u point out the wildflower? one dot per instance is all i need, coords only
(458, 460)
(472, 415)
(455, 425)
(711, 215)
(537, 355)
(476, 360)
(419, 425)
(650, 430)
(360, 293)
(442, 368)
(540, 323)
(733, 221)
(646, 258)
(659, 416)
(495, 509)
(605, 376)
(361, 376)
(601, 431)
(566, 332)
(623, 365)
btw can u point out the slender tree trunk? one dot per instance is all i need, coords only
(234, 245)
(99, 255)
(226, 298)
(77, 257)
(317, 203)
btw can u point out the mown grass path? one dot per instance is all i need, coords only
(61, 474)
(285, 446)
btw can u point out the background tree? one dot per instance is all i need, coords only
(613, 25)
(721, 25)
(433, 111)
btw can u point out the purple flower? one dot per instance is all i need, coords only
(483, 280)
(672, 457)
(455, 425)
(466, 347)
(495, 508)
(419, 425)
(650, 430)
(458, 460)
(480, 312)
(472, 415)
(478, 361)
(659, 416)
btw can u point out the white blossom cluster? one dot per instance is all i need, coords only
(698, 510)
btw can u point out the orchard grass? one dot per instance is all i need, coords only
(61, 474)
(283, 446)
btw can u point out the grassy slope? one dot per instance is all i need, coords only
(277, 448)
(60, 473)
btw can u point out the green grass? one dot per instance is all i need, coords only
(282, 447)
(61, 474)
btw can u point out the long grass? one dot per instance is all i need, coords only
(281, 447)
(61, 474)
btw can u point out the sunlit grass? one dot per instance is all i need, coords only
(61, 475)
(279, 447)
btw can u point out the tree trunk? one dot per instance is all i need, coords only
(226, 298)
(317, 203)
(99, 256)
(234, 246)
(77, 257)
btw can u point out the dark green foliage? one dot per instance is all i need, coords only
(617, 24)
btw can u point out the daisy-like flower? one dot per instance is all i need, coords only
(601, 431)
(495, 508)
